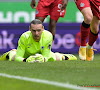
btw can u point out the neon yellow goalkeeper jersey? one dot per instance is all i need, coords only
(27, 46)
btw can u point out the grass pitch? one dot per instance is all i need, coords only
(80, 73)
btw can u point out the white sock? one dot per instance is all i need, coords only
(83, 46)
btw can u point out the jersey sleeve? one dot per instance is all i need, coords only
(20, 49)
(47, 49)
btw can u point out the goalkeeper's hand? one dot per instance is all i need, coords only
(40, 58)
(31, 59)
(35, 58)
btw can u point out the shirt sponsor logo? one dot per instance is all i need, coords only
(82, 4)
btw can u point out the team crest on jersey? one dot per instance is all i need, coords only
(82, 4)
(37, 11)
(42, 47)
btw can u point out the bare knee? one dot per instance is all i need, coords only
(88, 19)
(88, 16)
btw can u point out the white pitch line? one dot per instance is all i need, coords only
(46, 82)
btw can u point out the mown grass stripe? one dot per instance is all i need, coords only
(47, 82)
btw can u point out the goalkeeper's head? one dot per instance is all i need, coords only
(36, 29)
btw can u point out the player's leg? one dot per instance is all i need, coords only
(40, 18)
(41, 11)
(93, 35)
(55, 13)
(84, 7)
(8, 55)
(52, 27)
(85, 29)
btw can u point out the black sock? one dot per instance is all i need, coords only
(85, 25)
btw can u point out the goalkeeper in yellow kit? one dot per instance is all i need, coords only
(35, 46)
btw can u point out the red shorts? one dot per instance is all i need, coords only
(93, 4)
(52, 8)
(82, 4)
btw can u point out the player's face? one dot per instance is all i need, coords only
(36, 30)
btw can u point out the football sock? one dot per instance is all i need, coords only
(89, 47)
(85, 29)
(92, 38)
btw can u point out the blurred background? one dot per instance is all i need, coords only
(15, 18)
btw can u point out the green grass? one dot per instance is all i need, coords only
(81, 73)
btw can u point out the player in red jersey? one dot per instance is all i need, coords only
(54, 8)
(91, 12)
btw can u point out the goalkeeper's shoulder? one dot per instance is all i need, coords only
(26, 34)
(47, 35)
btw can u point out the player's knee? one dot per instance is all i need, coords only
(88, 18)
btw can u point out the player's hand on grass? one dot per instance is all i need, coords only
(31, 59)
(40, 57)
(35, 58)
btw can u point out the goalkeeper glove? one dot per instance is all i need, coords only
(35, 58)
(40, 58)
(31, 59)
(70, 57)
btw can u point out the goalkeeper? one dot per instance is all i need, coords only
(35, 46)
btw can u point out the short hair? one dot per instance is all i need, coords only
(36, 21)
